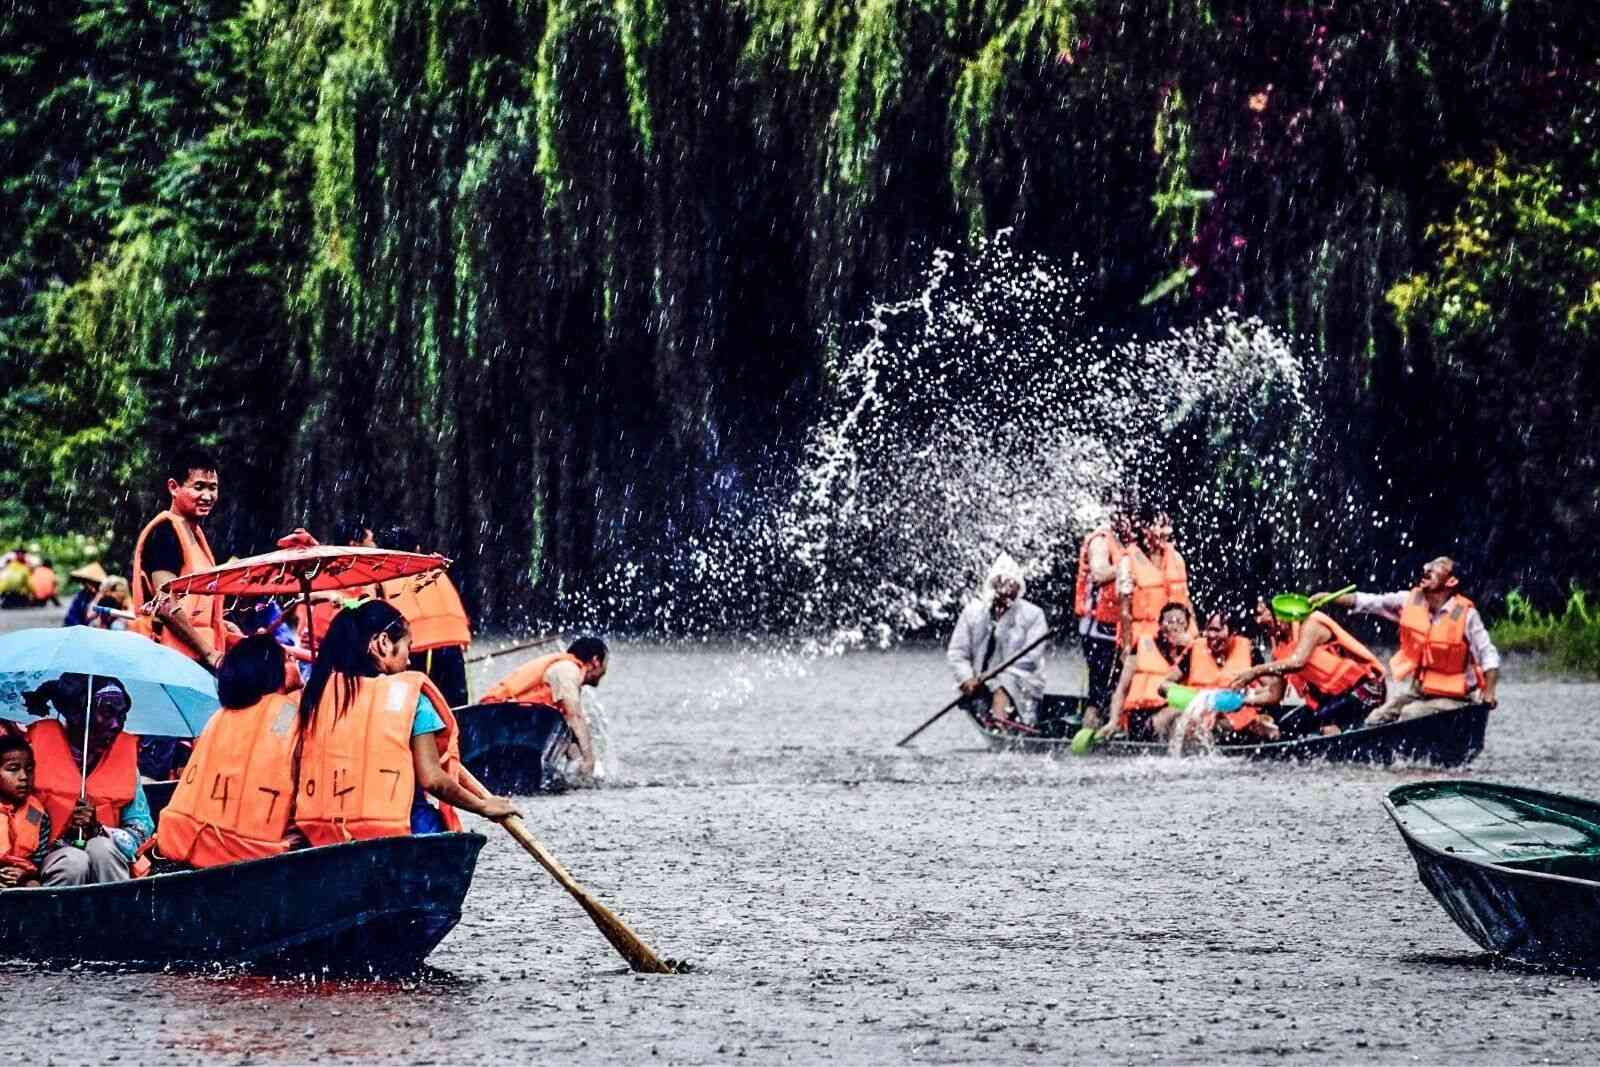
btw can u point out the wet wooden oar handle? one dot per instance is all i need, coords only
(942, 711)
(632, 948)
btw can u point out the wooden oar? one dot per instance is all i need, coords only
(639, 955)
(942, 711)
(535, 643)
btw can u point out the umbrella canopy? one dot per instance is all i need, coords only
(303, 569)
(172, 695)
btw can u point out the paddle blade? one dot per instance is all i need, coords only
(640, 956)
(1083, 740)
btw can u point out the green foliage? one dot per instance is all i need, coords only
(66, 552)
(524, 274)
(1523, 242)
(1570, 640)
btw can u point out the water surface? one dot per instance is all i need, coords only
(846, 901)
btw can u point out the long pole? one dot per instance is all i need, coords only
(88, 717)
(311, 628)
(942, 711)
(535, 643)
(640, 956)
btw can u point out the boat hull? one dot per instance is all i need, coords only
(376, 906)
(513, 748)
(1530, 916)
(1447, 739)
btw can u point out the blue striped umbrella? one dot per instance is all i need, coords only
(172, 695)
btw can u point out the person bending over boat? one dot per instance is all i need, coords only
(1339, 679)
(235, 800)
(1446, 659)
(377, 739)
(556, 681)
(96, 837)
(994, 627)
(1156, 576)
(24, 824)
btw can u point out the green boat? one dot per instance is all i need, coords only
(1517, 869)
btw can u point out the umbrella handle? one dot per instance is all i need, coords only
(88, 717)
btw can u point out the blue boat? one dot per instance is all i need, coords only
(366, 907)
(1446, 739)
(514, 749)
(1517, 869)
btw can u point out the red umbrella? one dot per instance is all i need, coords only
(304, 569)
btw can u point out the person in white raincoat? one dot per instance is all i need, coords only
(993, 627)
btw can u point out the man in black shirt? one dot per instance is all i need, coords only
(174, 544)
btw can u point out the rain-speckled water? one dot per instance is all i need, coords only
(844, 901)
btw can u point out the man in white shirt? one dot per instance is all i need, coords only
(994, 627)
(1434, 612)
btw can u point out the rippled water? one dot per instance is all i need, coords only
(846, 901)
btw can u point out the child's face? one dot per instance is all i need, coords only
(16, 776)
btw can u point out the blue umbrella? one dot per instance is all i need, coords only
(172, 695)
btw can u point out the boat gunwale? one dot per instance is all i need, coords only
(233, 869)
(1020, 743)
(1412, 841)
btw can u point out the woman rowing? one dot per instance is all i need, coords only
(378, 739)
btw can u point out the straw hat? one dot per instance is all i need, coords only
(89, 572)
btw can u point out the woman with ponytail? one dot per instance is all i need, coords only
(378, 739)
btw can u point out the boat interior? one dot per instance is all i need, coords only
(1520, 831)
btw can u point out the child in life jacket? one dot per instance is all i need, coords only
(24, 825)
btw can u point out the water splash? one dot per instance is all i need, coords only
(989, 412)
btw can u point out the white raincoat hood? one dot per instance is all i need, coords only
(1005, 567)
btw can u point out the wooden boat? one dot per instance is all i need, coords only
(1447, 739)
(513, 748)
(1517, 869)
(377, 906)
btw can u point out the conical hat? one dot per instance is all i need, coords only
(90, 572)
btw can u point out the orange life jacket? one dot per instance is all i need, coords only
(433, 610)
(1206, 673)
(357, 778)
(1435, 650)
(1098, 602)
(43, 583)
(1150, 669)
(112, 782)
(205, 612)
(526, 684)
(1154, 588)
(1334, 667)
(19, 832)
(236, 795)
